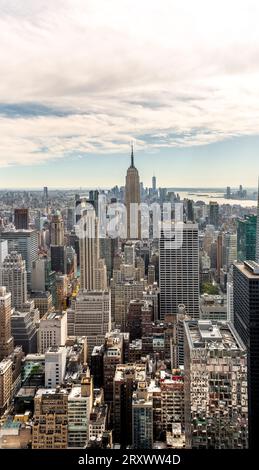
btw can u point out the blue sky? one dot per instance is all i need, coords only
(231, 162)
(81, 79)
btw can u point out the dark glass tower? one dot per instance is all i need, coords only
(246, 322)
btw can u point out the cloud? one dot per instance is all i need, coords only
(86, 76)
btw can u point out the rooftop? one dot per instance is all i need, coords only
(249, 269)
(207, 334)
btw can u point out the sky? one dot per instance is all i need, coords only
(81, 79)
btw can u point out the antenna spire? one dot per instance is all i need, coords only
(132, 155)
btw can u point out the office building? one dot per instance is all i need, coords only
(89, 249)
(90, 316)
(58, 258)
(42, 302)
(3, 252)
(21, 219)
(126, 379)
(52, 331)
(246, 238)
(122, 293)
(132, 196)
(113, 356)
(229, 249)
(24, 331)
(257, 228)
(142, 418)
(179, 271)
(246, 322)
(6, 382)
(139, 312)
(50, 426)
(6, 339)
(214, 214)
(24, 242)
(57, 229)
(55, 366)
(80, 402)
(216, 401)
(14, 277)
(153, 183)
(43, 277)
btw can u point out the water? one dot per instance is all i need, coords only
(217, 197)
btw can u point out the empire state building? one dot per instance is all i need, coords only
(132, 199)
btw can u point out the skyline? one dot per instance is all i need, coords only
(81, 79)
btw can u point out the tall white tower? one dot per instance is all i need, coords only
(179, 272)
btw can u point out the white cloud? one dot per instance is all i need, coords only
(169, 73)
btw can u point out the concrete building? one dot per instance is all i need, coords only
(132, 196)
(113, 356)
(3, 252)
(42, 301)
(55, 366)
(80, 402)
(24, 331)
(216, 398)
(122, 293)
(25, 242)
(142, 418)
(6, 339)
(257, 229)
(179, 271)
(14, 277)
(90, 316)
(6, 382)
(57, 229)
(246, 310)
(21, 218)
(89, 250)
(50, 425)
(52, 331)
(126, 379)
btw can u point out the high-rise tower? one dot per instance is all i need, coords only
(179, 271)
(6, 339)
(257, 228)
(57, 229)
(13, 275)
(132, 196)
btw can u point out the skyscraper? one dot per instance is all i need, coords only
(3, 252)
(6, 339)
(89, 250)
(179, 272)
(14, 276)
(80, 402)
(57, 229)
(246, 238)
(90, 316)
(215, 364)
(257, 228)
(132, 196)
(214, 214)
(246, 322)
(24, 242)
(142, 418)
(21, 219)
(125, 382)
(50, 427)
(153, 183)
